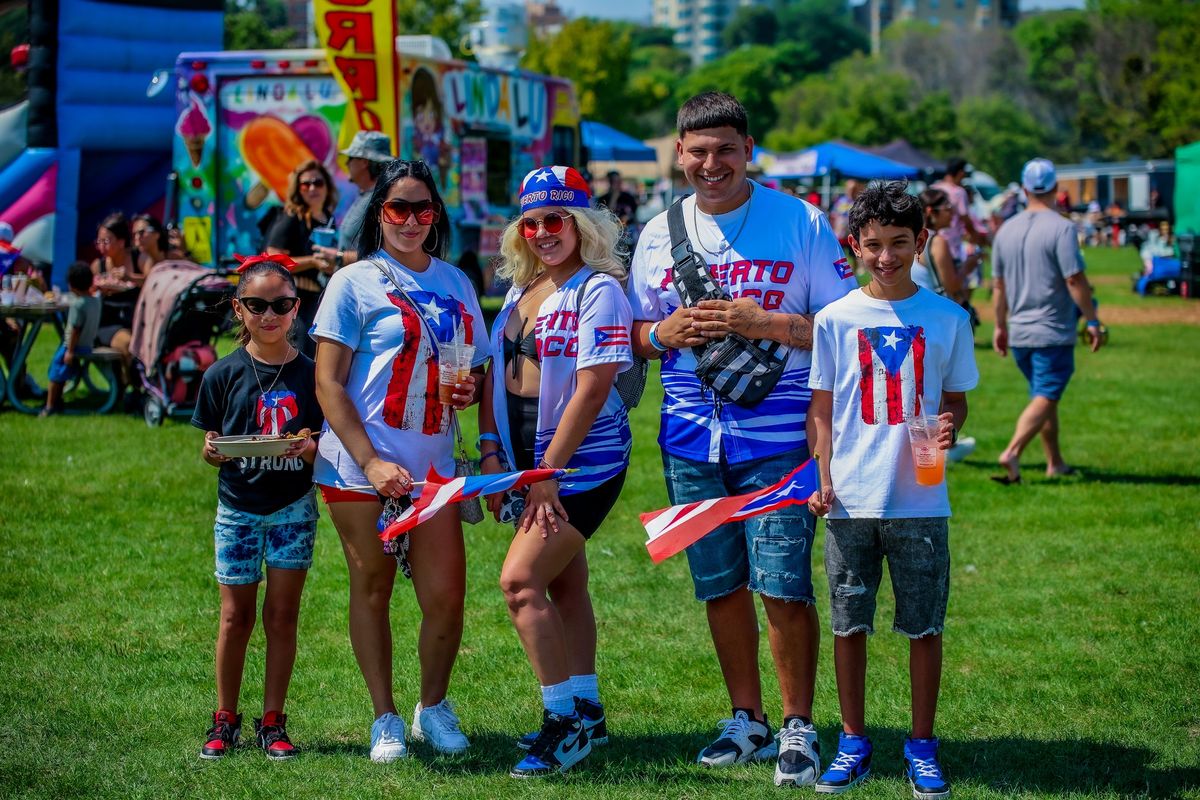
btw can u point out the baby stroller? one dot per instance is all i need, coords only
(181, 311)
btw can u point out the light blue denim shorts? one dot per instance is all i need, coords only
(284, 539)
(771, 554)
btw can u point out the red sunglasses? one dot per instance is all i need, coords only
(553, 223)
(397, 212)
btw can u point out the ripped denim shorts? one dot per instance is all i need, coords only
(770, 554)
(918, 556)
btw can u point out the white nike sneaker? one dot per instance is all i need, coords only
(560, 744)
(742, 739)
(799, 761)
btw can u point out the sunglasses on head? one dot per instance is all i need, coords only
(397, 212)
(258, 306)
(315, 183)
(552, 222)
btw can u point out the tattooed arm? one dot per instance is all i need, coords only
(716, 318)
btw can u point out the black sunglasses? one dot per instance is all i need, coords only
(258, 306)
(316, 183)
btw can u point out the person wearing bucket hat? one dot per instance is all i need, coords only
(1038, 291)
(366, 157)
(552, 402)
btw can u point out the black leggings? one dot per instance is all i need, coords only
(586, 510)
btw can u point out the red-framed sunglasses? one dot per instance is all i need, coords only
(552, 222)
(397, 212)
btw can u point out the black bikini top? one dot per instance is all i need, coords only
(514, 349)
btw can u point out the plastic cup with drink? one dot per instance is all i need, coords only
(928, 458)
(454, 366)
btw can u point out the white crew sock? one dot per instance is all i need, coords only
(586, 686)
(558, 698)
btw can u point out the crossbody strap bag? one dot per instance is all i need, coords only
(632, 382)
(733, 368)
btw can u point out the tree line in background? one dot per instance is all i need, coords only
(1116, 80)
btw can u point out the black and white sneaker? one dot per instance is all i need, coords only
(742, 739)
(594, 724)
(799, 761)
(561, 743)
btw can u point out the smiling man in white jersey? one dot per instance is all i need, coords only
(779, 261)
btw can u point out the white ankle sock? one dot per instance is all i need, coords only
(558, 698)
(586, 686)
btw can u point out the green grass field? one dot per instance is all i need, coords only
(1072, 646)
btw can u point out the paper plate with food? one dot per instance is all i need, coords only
(261, 445)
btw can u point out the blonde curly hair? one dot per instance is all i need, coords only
(600, 246)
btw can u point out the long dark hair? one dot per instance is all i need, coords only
(370, 238)
(930, 199)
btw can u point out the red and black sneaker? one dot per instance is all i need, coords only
(223, 735)
(271, 732)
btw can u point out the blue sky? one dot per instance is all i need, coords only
(640, 9)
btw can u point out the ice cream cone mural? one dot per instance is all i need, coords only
(194, 128)
(272, 150)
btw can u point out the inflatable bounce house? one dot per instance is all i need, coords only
(96, 132)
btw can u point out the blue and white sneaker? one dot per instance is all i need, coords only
(594, 724)
(849, 768)
(440, 727)
(799, 762)
(742, 739)
(924, 771)
(387, 739)
(560, 744)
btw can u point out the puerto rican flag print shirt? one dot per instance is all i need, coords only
(393, 380)
(571, 338)
(886, 362)
(785, 257)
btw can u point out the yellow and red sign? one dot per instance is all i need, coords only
(359, 37)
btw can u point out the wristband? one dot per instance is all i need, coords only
(487, 437)
(486, 456)
(1093, 323)
(544, 464)
(953, 435)
(655, 342)
(341, 255)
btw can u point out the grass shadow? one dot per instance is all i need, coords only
(1057, 766)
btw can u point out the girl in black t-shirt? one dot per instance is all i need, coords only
(266, 508)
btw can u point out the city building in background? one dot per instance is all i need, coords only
(876, 15)
(698, 24)
(544, 17)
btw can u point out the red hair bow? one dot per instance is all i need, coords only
(246, 262)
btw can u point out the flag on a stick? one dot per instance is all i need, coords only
(440, 492)
(673, 529)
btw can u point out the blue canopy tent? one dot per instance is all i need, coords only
(831, 158)
(609, 144)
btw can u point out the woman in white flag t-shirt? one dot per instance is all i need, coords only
(377, 332)
(550, 402)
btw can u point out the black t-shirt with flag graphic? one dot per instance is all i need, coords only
(234, 401)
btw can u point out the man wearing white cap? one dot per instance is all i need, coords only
(1039, 290)
(366, 156)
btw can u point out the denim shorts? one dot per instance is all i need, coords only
(1046, 368)
(771, 553)
(284, 539)
(918, 556)
(60, 370)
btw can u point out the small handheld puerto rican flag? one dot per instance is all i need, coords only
(8, 256)
(844, 270)
(674, 529)
(440, 492)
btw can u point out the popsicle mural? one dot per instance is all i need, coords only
(266, 126)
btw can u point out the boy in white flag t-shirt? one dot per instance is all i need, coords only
(884, 357)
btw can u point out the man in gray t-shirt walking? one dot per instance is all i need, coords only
(1038, 290)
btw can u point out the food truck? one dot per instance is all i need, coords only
(247, 119)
